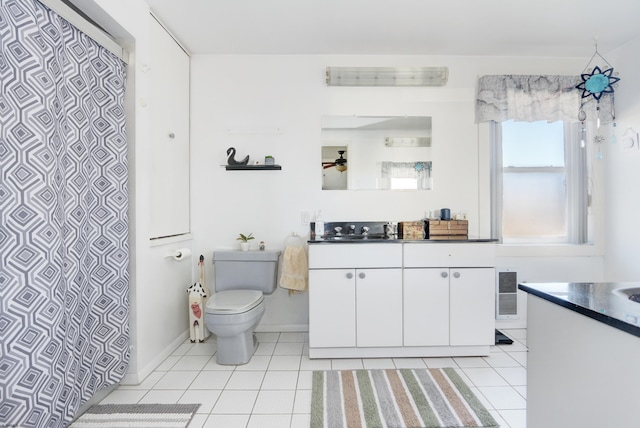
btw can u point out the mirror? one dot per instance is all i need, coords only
(376, 152)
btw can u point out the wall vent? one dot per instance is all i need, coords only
(507, 294)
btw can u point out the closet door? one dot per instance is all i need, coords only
(169, 156)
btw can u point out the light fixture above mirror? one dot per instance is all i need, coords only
(387, 76)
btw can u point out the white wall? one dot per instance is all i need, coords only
(623, 172)
(273, 105)
(158, 317)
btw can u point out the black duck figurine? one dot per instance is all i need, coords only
(231, 152)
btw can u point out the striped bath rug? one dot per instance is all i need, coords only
(405, 398)
(137, 415)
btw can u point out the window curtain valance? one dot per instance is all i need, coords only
(532, 98)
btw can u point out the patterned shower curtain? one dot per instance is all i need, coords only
(63, 218)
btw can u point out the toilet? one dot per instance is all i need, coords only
(242, 278)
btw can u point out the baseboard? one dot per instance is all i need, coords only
(282, 328)
(138, 377)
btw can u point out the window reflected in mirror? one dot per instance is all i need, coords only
(376, 152)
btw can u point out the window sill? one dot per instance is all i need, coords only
(548, 250)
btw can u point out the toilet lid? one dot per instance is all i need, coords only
(234, 301)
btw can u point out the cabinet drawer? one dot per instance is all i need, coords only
(449, 255)
(332, 256)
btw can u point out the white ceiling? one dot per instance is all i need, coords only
(551, 28)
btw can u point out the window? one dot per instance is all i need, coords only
(539, 183)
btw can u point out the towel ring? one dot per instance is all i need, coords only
(294, 241)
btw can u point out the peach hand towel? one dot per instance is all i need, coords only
(295, 269)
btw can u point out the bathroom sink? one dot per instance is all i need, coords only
(355, 238)
(632, 293)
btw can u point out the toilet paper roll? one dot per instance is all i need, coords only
(181, 254)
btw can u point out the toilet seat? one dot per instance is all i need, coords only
(233, 301)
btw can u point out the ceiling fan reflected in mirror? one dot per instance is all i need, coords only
(340, 163)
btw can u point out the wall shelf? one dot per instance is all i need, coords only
(253, 167)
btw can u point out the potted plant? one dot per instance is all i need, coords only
(244, 241)
(269, 160)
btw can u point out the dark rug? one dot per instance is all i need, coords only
(502, 339)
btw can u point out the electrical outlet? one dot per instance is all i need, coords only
(306, 217)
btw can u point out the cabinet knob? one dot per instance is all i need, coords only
(456, 275)
(172, 135)
(361, 275)
(444, 274)
(349, 275)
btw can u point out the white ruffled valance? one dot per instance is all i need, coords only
(533, 98)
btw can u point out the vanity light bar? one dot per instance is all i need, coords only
(407, 142)
(387, 76)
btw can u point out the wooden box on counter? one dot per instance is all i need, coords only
(447, 229)
(411, 230)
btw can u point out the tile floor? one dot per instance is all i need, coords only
(274, 389)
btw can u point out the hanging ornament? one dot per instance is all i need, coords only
(595, 83)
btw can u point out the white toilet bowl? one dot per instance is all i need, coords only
(231, 316)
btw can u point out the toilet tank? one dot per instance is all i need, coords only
(246, 270)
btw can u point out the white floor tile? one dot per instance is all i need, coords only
(215, 379)
(280, 379)
(205, 397)
(191, 362)
(503, 397)
(182, 349)
(257, 363)
(245, 380)
(302, 402)
(285, 362)
(294, 337)
(471, 362)
(198, 420)
(235, 403)
(305, 379)
(163, 396)
(124, 396)
(267, 337)
(168, 363)
(207, 349)
(288, 348)
(269, 421)
(439, 362)
(409, 363)
(226, 421)
(520, 357)
(378, 363)
(481, 376)
(274, 402)
(501, 359)
(148, 383)
(515, 418)
(274, 388)
(176, 380)
(347, 364)
(315, 364)
(265, 348)
(300, 421)
(513, 375)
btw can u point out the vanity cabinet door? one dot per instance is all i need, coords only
(472, 316)
(332, 308)
(426, 307)
(379, 307)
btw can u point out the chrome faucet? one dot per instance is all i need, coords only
(364, 230)
(352, 229)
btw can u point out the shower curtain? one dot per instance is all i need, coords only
(63, 218)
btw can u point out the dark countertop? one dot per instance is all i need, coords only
(598, 300)
(348, 240)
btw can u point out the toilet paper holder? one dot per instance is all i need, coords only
(179, 254)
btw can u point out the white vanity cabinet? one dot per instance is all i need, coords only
(390, 300)
(355, 295)
(454, 283)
